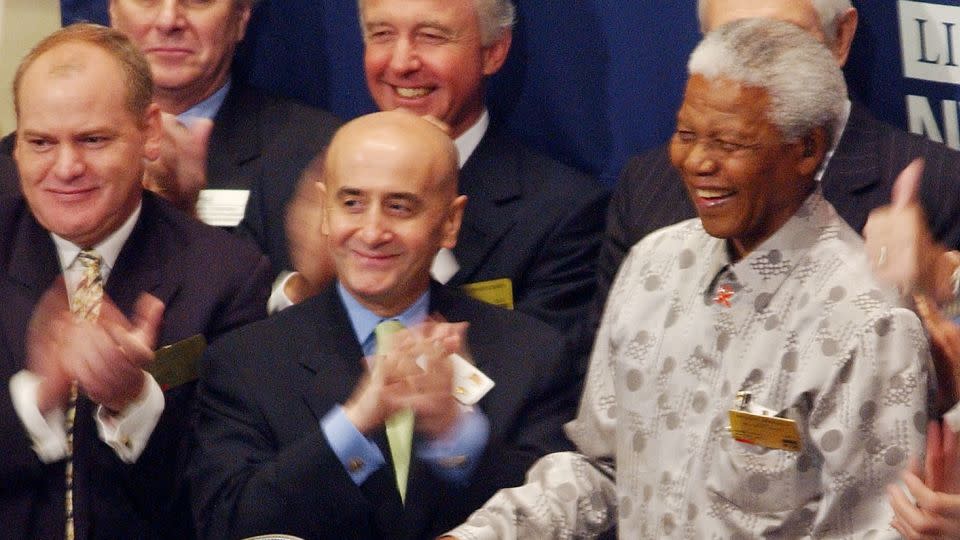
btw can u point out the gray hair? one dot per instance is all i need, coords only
(828, 11)
(495, 18)
(805, 85)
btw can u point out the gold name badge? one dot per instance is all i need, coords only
(767, 431)
(178, 363)
(498, 292)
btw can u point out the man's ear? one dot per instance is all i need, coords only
(153, 131)
(325, 221)
(242, 18)
(846, 28)
(812, 148)
(495, 54)
(452, 221)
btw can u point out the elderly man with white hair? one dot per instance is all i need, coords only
(856, 176)
(750, 377)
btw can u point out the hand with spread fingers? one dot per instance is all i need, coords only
(372, 400)
(105, 357)
(396, 381)
(180, 173)
(935, 488)
(430, 389)
(306, 236)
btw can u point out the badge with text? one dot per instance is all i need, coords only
(177, 363)
(763, 430)
(222, 207)
(498, 292)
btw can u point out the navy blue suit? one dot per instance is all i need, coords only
(264, 465)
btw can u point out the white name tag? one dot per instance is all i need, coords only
(469, 383)
(222, 207)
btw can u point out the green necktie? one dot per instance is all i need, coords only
(400, 424)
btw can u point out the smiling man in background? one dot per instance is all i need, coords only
(255, 137)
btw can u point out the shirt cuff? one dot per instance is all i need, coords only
(48, 433)
(278, 299)
(128, 432)
(455, 456)
(952, 418)
(359, 455)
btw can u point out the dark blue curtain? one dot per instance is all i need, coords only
(588, 81)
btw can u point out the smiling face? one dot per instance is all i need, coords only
(79, 149)
(743, 179)
(426, 56)
(391, 205)
(189, 45)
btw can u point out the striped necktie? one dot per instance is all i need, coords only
(400, 424)
(85, 304)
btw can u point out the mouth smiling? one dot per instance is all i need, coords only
(412, 92)
(710, 197)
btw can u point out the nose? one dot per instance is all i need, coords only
(404, 58)
(374, 229)
(699, 159)
(69, 163)
(169, 15)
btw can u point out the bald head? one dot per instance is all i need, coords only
(832, 22)
(391, 198)
(416, 143)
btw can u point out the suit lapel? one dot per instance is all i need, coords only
(490, 180)
(140, 265)
(235, 139)
(331, 356)
(31, 269)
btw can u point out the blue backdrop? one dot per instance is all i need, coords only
(593, 81)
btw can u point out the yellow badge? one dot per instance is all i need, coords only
(498, 292)
(761, 430)
(177, 363)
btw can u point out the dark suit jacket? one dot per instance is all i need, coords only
(262, 138)
(9, 179)
(264, 465)
(528, 218)
(650, 194)
(209, 281)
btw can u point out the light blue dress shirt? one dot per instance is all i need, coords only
(207, 108)
(360, 456)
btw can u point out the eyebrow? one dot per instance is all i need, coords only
(401, 195)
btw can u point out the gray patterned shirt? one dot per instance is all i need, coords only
(801, 325)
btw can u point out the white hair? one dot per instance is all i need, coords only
(829, 12)
(495, 17)
(801, 77)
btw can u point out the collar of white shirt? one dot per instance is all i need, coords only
(468, 141)
(109, 249)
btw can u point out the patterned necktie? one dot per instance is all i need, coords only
(400, 424)
(85, 304)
